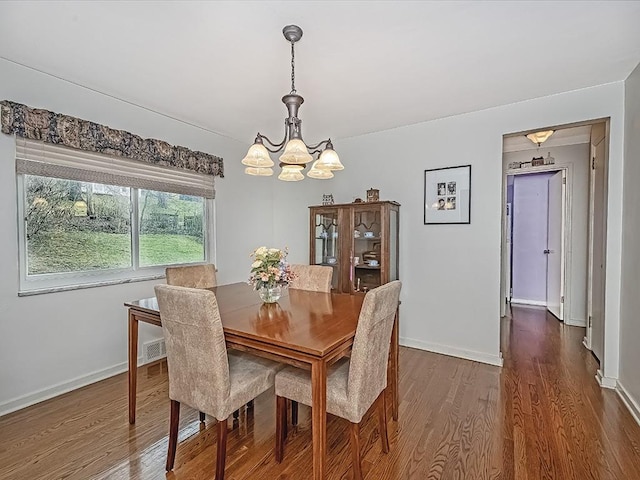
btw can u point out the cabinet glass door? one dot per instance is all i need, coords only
(326, 248)
(367, 248)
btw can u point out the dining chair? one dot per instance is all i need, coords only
(192, 276)
(202, 374)
(315, 278)
(355, 385)
(195, 276)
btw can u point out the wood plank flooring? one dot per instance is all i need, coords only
(541, 416)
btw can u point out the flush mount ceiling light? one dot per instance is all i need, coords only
(540, 137)
(297, 154)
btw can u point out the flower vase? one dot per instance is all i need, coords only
(270, 294)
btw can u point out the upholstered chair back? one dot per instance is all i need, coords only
(192, 276)
(370, 352)
(196, 350)
(316, 278)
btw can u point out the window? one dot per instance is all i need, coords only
(75, 232)
(75, 226)
(171, 228)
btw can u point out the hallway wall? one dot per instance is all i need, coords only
(629, 379)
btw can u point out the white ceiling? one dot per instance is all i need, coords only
(361, 66)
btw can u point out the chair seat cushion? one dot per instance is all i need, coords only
(249, 376)
(295, 384)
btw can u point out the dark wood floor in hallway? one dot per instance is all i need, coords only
(541, 416)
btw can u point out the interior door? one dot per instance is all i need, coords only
(555, 243)
(508, 273)
(597, 251)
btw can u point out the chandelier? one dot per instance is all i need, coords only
(540, 137)
(297, 154)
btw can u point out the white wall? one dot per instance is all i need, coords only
(575, 157)
(630, 295)
(53, 342)
(451, 273)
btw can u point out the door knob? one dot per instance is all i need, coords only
(546, 252)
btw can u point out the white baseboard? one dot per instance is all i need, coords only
(61, 388)
(576, 322)
(453, 351)
(523, 301)
(629, 401)
(605, 382)
(38, 396)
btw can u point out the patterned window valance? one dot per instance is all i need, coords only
(59, 129)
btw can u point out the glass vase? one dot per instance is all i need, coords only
(270, 294)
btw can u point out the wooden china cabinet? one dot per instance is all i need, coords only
(360, 242)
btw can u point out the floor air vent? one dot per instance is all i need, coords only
(153, 351)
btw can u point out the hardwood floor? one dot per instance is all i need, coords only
(542, 416)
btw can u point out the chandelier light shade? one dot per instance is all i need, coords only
(291, 173)
(329, 159)
(540, 137)
(297, 154)
(319, 173)
(259, 171)
(257, 156)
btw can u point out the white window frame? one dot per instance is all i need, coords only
(54, 282)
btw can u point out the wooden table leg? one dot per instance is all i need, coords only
(133, 365)
(394, 364)
(319, 418)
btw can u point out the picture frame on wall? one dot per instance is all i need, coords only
(447, 195)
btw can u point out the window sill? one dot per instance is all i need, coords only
(66, 288)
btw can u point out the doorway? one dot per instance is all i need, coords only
(580, 150)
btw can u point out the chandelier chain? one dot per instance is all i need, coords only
(293, 69)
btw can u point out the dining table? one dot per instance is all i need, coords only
(307, 329)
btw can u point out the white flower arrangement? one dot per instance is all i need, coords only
(270, 268)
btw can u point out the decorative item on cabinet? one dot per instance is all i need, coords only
(373, 195)
(371, 255)
(327, 199)
(537, 161)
